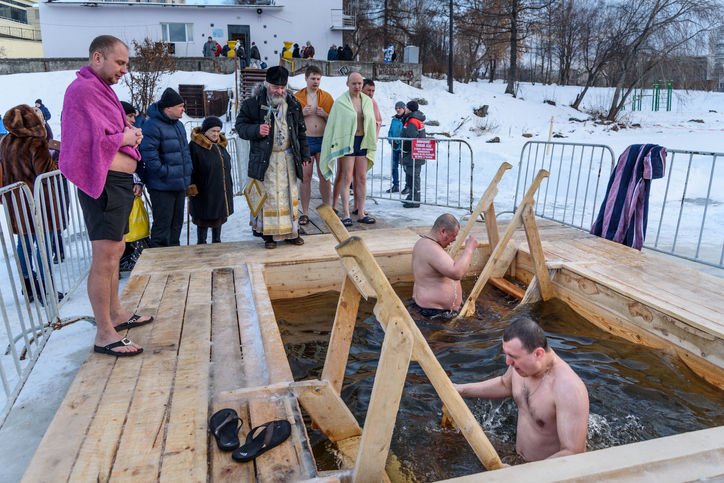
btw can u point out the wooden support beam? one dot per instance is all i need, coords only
(491, 226)
(469, 308)
(335, 363)
(389, 306)
(484, 206)
(384, 402)
(536, 253)
(507, 287)
(326, 408)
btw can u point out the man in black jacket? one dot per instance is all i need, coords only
(273, 122)
(413, 127)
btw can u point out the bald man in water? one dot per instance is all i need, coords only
(437, 291)
(552, 400)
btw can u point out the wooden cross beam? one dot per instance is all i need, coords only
(523, 216)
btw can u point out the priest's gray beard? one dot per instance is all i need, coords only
(278, 99)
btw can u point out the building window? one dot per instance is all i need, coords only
(15, 14)
(177, 32)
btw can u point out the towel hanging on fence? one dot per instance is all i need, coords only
(625, 209)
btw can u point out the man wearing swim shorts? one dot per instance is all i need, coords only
(437, 276)
(99, 156)
(316, 105)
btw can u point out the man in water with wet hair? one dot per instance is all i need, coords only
(552, 400)
(437, 291)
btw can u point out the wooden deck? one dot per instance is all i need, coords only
(145, 418)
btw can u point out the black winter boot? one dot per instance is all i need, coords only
(28, 290)
(216, 235)
(201, 233)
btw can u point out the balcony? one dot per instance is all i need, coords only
(341, 21)
(24, 33)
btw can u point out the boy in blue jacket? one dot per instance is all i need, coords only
(394, 132)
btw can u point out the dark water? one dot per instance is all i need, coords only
(636, 393)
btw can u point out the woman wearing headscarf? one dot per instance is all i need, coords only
(211, 190)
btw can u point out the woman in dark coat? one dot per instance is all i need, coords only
(214, 199)
(24, 155)
(295, 52)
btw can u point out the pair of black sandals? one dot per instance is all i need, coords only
(225, 425)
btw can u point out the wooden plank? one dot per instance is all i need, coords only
(141, 444)
(484, 206)
(536, 252)
(507, 287)
(384, 402)
(335, 363)
(57, 453)
(469, 308)
(185, 454)
(227, 371)
(328, 411)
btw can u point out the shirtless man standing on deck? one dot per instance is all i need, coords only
(437, 291)
(552, 400)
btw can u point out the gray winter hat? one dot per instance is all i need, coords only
(399, 104)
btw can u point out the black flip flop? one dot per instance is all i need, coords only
(133, 322)
(224, 431)
(120, 343)
(263, 438)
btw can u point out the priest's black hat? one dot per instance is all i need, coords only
(277, 75)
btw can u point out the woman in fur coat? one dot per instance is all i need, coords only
(213, 202)
(24, 155)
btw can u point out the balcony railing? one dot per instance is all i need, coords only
(341, 21)
(20, 33)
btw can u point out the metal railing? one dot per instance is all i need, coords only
(447, 181)
(29, 307)
(577, 183)
(20, 33)
(687, 212)
(60, 216)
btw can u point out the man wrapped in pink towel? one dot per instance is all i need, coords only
(99, 155)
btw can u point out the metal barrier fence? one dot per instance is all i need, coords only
(447, 181)
(27, 324)
(577, 183)
(685, 210)
(59, 213)
(686, 214)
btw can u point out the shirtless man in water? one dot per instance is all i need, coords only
(552, 400)
(437, 290)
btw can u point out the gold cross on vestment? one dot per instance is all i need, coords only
(269, 110)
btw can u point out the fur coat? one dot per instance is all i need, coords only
(24, 155)
(212, 177)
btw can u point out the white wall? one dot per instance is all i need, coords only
(68, 30)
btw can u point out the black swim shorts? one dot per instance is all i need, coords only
(106, 218)
(315, 144)
(433, 313)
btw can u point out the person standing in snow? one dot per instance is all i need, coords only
(413, 127)
(389, 52)
(46, 112)
(394, 132)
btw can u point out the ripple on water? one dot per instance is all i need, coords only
(636, 393)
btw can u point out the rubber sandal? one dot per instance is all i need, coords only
(303, 220)
(226, 434)
(263, 438)
(120, 343)
(357, 211)
(133, 322)
(347, 222)
(368, 220)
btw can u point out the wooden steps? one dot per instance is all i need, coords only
(248, 78)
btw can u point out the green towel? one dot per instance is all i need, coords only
(339, 134)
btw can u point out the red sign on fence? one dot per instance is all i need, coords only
(423, 149)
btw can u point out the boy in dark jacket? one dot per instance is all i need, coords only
(414, 127)
(166, 167)
(273, 122)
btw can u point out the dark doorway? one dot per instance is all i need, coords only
(241, 33)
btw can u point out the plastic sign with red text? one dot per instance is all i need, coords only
(423, 149)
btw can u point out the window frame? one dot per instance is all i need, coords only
(188, 31)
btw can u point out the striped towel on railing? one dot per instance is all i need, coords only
(625, 209)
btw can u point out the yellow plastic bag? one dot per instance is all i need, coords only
(138, 226)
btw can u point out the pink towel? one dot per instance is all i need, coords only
(92, 132)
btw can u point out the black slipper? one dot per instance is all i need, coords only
(263, 438)
(226, 434)
(133, 322)
(120, 343)
(367, 220)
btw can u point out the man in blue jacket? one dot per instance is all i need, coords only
(166, 167)
(394, 132)
(39, 104)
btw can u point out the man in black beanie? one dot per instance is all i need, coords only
(166, 167)
(413, 127)
(272, 120)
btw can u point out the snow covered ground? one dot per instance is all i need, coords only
(508, 119)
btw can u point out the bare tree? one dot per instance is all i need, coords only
(151, 61)
(655, 29)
